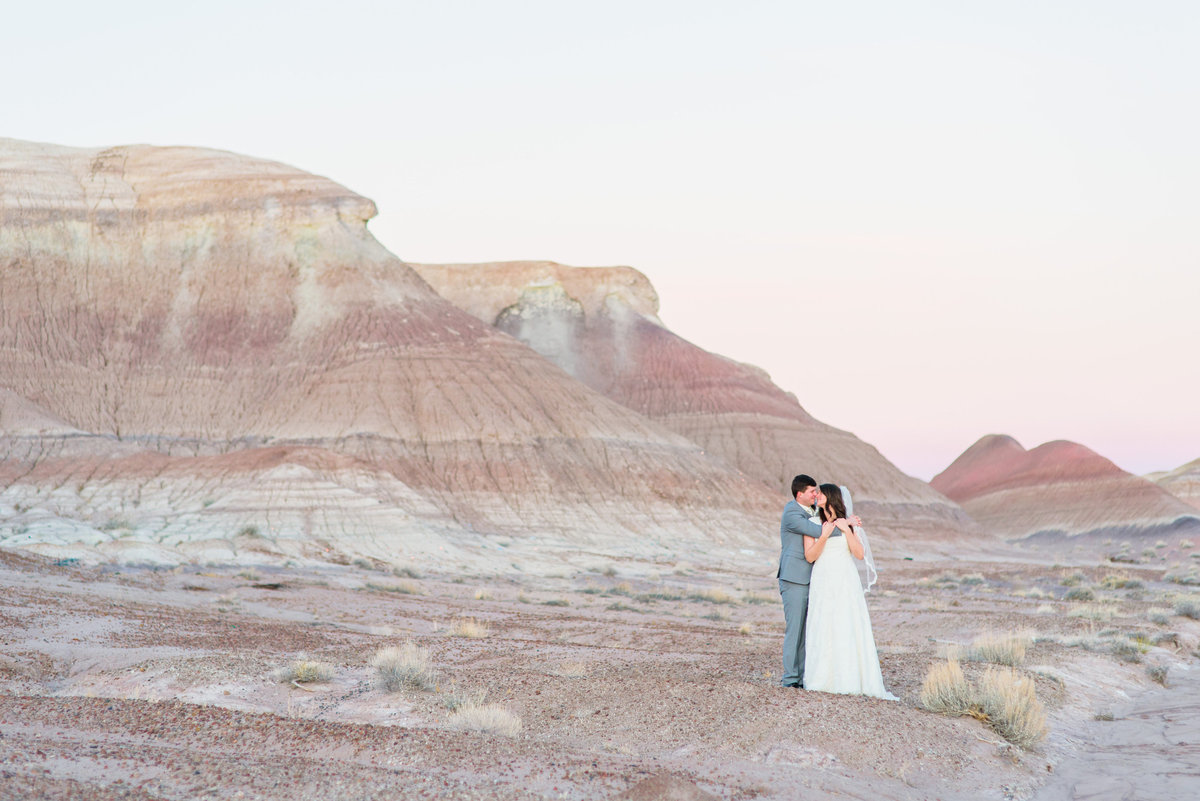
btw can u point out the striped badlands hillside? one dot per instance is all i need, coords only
(600, 324)
(1060, 489)
(197, 345)
(1183, 482)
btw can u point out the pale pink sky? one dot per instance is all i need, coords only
(930, 220)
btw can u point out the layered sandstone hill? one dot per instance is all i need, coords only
(600, 324)
(1183, 482)
(195, 344)
(1059, 489)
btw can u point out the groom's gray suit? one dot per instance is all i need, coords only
(794, 574)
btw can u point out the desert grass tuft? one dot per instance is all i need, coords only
(1120, 581)
(713, 595)
(471, 628)
(1072, 580)
(483, 594)
(486, 718)
(618, 606)
(1188, 609)
(1126, 651)
(946, 690)
(303, 671)
(1157, 673)
(1092, 612)
(406, 572)
(1010, 706)
(746, 629)
(1159, 616)
(403, 666)
(1003, 699)
(759, 598)
(1001, 649)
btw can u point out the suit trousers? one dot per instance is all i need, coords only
(795, 613)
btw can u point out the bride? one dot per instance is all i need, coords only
(841, 656)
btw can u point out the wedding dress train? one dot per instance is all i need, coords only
(840, 653)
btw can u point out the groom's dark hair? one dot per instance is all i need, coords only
(801, 483)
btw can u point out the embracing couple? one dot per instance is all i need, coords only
(828, 644)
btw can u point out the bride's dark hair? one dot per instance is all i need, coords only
(833, 500)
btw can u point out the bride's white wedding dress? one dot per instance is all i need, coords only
(840, 654)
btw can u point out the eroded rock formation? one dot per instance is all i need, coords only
(600, 324)
(195, 344)
(1060, 489)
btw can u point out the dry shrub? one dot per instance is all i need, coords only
(1120, 581)
(1092, 612)
(304, 670)
(470, 627)
(1003, 699)
(946, 690)
(1010, 706)
(746, 629)
(759, 598)
(488, 718)
(404, 666)
(483, 594)
(713, 595)
(1072, 580)
(1188, 609)
(1002, 649)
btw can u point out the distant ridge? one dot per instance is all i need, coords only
(1183, 482)
(1059, 489)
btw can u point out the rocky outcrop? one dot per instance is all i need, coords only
(193, 343)
(1183, 482)
(1059, 490)
(600, 324)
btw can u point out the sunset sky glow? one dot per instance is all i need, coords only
(931, 221)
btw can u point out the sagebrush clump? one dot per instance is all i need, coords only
(1003, 699)
(303, 671)
(1001, 649)
(487, 718)
(404, 666)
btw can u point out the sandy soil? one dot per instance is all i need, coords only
(139, 683)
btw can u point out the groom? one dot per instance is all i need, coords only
(800, 520)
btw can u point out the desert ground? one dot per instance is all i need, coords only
(636, 681)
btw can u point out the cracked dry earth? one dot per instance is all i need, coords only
(134, 683)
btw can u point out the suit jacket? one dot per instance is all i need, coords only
(794, 526)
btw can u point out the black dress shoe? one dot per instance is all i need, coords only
(797, 686)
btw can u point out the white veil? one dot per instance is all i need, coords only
(872, 574)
